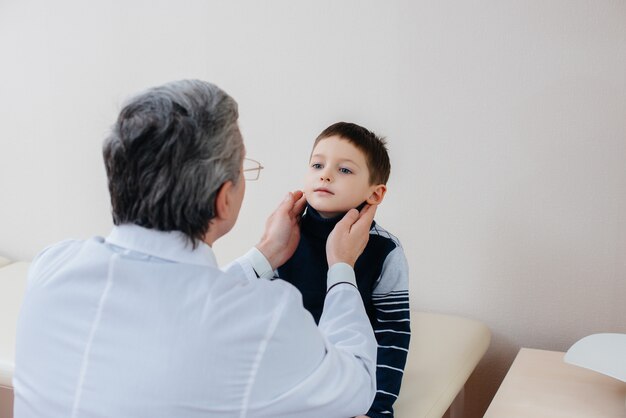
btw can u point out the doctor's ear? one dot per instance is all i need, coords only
(377, 195)
(223, 200)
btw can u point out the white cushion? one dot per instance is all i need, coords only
(12, 288)
(4, 261)
(444, 351)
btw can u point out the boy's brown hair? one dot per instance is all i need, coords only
(372, 146)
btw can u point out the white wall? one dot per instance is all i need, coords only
(506, 123)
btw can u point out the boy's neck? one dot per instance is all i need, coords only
(331, 215)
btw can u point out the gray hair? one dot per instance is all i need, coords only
(168, 154)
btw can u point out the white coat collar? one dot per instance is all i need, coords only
(171, 245)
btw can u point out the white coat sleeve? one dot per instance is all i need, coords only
(317, 371)
(252, 265)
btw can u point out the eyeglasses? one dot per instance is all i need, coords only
(251, 169)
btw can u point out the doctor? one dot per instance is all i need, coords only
(143, 323)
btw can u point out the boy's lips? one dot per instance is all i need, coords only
(322, 190)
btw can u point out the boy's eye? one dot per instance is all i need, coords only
(317, 166)
(345, 170)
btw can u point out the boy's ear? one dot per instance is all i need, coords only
(378, 193)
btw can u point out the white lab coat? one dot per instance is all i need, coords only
(141, 325)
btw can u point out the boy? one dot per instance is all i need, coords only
(349, 167)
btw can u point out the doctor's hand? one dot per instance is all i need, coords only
(348, 239)
(282, 230)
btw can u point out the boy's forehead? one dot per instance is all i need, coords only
(337, 146)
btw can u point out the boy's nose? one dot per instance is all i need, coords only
(325, 174)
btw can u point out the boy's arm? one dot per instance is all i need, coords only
(393, 331)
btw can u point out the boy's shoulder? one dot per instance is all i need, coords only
(393, 278)
(378, 231)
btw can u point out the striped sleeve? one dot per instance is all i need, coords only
(392, 330)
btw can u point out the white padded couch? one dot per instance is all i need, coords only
(444, 351)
